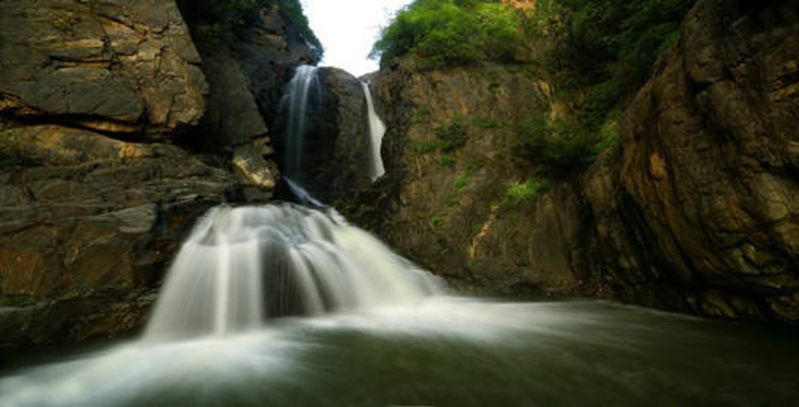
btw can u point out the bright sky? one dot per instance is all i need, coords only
(348, 29)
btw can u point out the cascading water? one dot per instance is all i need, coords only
(302, 88)
(241, 265)
(376, 131)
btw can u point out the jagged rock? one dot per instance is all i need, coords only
(88, 225)
(706, 193)
(251, 165)
(113, 65)
(233, 116)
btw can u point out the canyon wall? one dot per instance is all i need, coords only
(695, 210)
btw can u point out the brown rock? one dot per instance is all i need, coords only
(91, 228)
(115, 65)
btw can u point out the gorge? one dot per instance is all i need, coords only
(175, 178)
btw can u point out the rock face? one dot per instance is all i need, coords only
(121, 66)
(704, 193)
(448, 212)
(696, 211)
(88, 226)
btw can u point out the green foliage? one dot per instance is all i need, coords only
(447, 160)
(427, 146)
(461, 181)
(605, 48)
(562, 146)
(488, 123)
(613, 43)
(453, 200)
(437, 220)
(525, 192)
(292, 10)
(420, 115)
(451, 136)
(443, 32)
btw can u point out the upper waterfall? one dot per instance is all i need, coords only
(243, 265)
(304, 86)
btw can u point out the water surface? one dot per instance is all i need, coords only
(442, 351)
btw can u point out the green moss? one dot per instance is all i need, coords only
(437, 221)
(453, 200)
(447, 160)
(488, 123)
(523, 193)
(452, 136)
(462, 181)
(426, 147)
(420, 115)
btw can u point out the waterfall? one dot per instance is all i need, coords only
(302, 87)
(243, 265)
(376, 131)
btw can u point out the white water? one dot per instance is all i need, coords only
(242, 265)
(296, 102)
(376, 131)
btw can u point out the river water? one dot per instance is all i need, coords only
(444, 351)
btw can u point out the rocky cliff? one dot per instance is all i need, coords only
(116, 133)
(696, 210)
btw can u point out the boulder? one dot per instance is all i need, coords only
(119, 66)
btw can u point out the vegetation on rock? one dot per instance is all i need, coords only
(524, 192)
(600, 52)
(443, 32)
(562, 145)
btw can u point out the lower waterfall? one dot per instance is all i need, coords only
(243, 265)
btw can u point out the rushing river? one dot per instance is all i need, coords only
(443, 351)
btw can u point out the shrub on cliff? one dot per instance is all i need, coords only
(443, 32)
(563, 145)
(608, 46)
